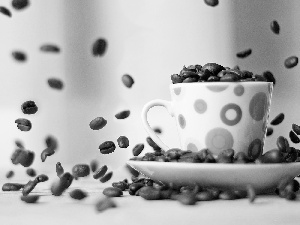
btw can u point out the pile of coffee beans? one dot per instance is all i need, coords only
(213, 72)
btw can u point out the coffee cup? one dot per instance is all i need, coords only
(217, 116)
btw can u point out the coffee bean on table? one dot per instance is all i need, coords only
(100, 172)
(19, 144)
(278, 119)
(19, 56)
(244, 53)
(105, 204)
(78, 194)
(20, 4)
(99, 47)
(296, 128)
(211, 2)
(10, 174)
(149, 193)
(127, 80)
(107, 147)
(98, 123)
(12, 187)
(269, 131)
(55, 83)
(5, 11)
(23, 124)
(291, 62)
(138, 149)
(81, 170)
(106, 177)
(112, 192)
(121, 185)
(227, 195)
(157, 130)
(41, 178)
(123, 142)
(30, 198)
(29, 107)
(134, 187)
(123, 114)
(275, 27)
(31, 172)
(294, 138)
(51, 48)
(187, 199)
(64, 182)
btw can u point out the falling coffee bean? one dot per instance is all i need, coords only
(275, 27)
(12, 187)
(127, 80)
(81, 170)
(269, 131)
(244, 53)
(106, 177)
(59, 169)
(5, 11)
(211, 2)
(100, 172)
(50, 48)
(19, 56)
(296, 128)
(55, 83)
(94, 165)
(30, 198)
(282, 144)
(20, 4)
(98, 123)
(31, 172)
(278, 119)
(294, 138)
(138, 149)
(104, 204)
(99, 47)
(10, 174)
(123, 114)
(78, 194)
(291, 62)
(23, 124)
(29, 107)
(107, 147)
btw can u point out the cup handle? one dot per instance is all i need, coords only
(146, 108)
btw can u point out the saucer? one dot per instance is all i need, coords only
(263, 177)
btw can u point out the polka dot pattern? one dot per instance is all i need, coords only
(200, 106)
(239, 90)
(181, 121)
(226, 109)
(255, 149)
(192, 147)
(219, 139)
(217, 88)
(177, 90)
(258, 106)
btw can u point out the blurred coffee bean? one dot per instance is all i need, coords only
(50, 48)
(55, 83)
(12, 186)
(127, 80)
(41, 178)
(105, 204)
(272, 156)
(10, 174)
(122, 115)
(211, 2)
(29, 187)
(227, 195)
(20, 4)
(244, 53)
(23, 124)
(149, 193)
(98, 123)
(291, 62)
(106, 177)
(51, 142)
(251, 193)
(152, 144)
(176, 79)
(294, 138)
(99, 47)
(278, 119)
(186, 199)
(45, 153)
(269, 77)
(205, 196)
(30, 198)
(100, 172)
(31, 172)
(59, 169)
(275, 27)
(23, 157)
(81, 170)
(94, 165)
(282, 144)
(19, 56)
(5, 11)
(269, 131)
(78, 194)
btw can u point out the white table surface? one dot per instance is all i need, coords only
(135, 210)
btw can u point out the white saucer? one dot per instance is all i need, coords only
(263, 177)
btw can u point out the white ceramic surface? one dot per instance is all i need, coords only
(217, 115)
(263, 177)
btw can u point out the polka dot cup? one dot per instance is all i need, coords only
(218, 116)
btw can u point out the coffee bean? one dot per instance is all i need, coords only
(296, 128)
(55, 83)
(275, 27)
(205, 196)
(107, 147)
(138, 149)
(29, 187)
(251, 193)
(41, 178)
(269, 77)
(23, 124)
(98, 123)
(105, 204)
(106, 177)
(10, 174)
(81, 170)
(45, 153)
(19, 144)
(149, 193)
(78, 194)
(24, 157)
(99, 47)
(64, 182)
(127, 80)
(272, 156)
(123, 142)
(30, 198)
(294, 138)
(50, 48)
(244, 53)
(121, 185)
(227, 195)
(12, 187)
(212, 2)
(240, 193)
(5, 11)
(176, 79)
(94, 165)
(29, 107)
(100, 172)
(157, 130)
(133, 188)
(291, 156)
(291, 196)
(291, 62)
(31, 172)
(152, 144)
(122, 115)
(282, 144)
(112, 192)
(20, 4)
(19, 56)
(186, 199)
(278, 119)
(269, 131)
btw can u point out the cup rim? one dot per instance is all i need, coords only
(248, 83)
